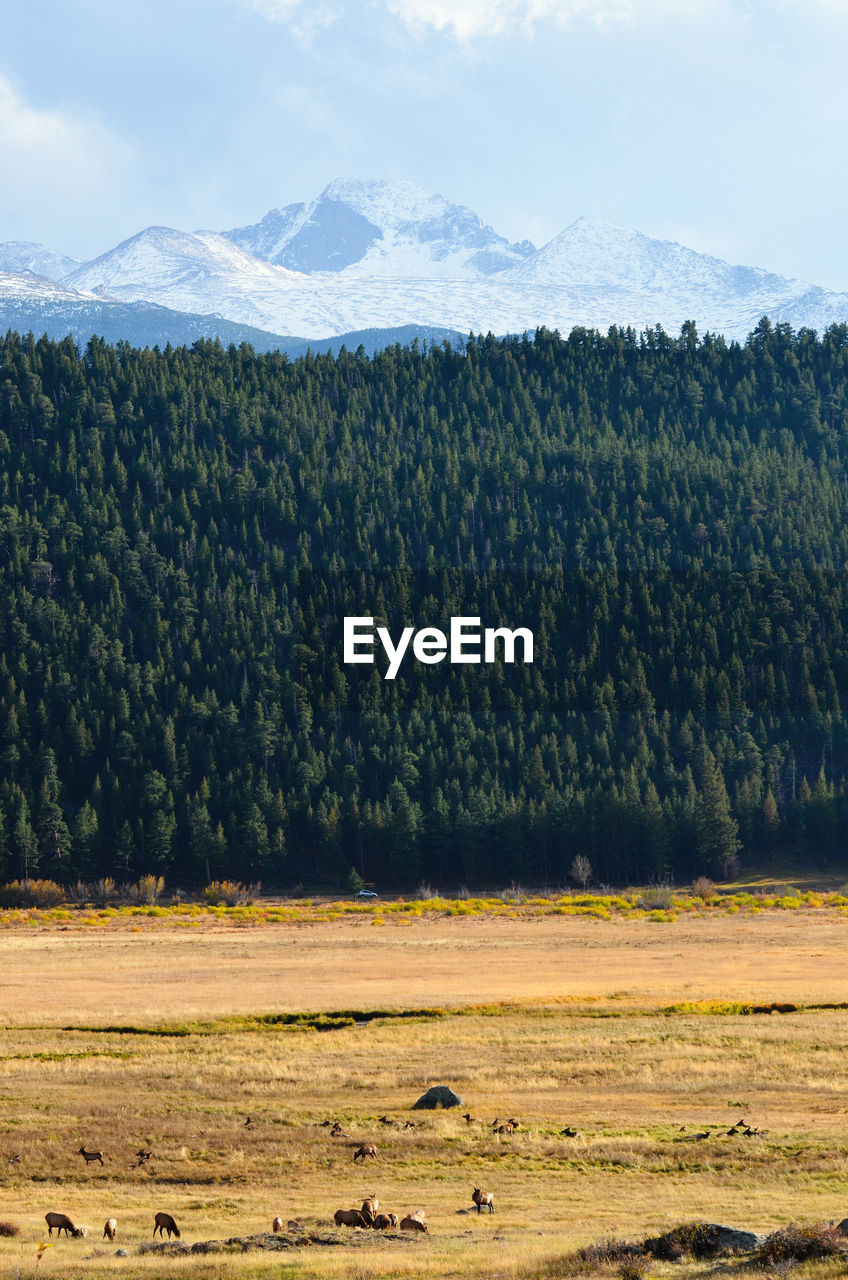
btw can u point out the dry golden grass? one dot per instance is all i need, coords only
(557, 1021)
(166, 973)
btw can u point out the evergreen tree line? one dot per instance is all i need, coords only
(182, 532)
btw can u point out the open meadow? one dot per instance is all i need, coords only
(145, 1035)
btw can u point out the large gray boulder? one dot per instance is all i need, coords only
(439, 1096)
(733, 1240)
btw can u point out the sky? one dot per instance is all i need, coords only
(719, 124)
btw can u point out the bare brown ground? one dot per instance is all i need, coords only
(54, 975)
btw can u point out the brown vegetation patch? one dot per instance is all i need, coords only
(796, 1243)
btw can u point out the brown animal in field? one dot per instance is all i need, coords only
(277, 1224)
(110, 1228)
(413, 1223)
(142, 1157)
(362, 1153)
(516, 1124)
(483, 1198)
(383, 1221)
(505, 1128)
(369, 1208)
(164, 1222)
(61, 1222)
(89, 1156)
(350, 1218)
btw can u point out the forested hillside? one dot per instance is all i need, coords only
(182, 532)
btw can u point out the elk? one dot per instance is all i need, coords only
(277, 1224)
(164, 1222)
(350, 1218)
(110, 1228)
(90, 1156)
(482, 1198)
(363, 1152)
(413, 1223)
(61, 1222)
(369, 1209)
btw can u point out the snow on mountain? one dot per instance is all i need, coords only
(380, 228)
(202, 273)
(26, 255)
(618, 262)
(371, 255)
(22, 286)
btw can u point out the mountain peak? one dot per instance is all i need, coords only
(380, 227)
(20, 256)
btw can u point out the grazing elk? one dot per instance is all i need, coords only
(413, 1223)
(110, 1228)
(350, 1218)
(90, 1156)
(383, 1221)
(61, 1222)
(362, 1153)
(483, 1199)
(164, 1222)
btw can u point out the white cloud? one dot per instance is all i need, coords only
(303, 20)
(467, 19)
(464, 19)
(274, 10)
(51, 160)
(23, 129)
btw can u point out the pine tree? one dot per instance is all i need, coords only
(716, 829)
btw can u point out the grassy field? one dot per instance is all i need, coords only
(145, 1034)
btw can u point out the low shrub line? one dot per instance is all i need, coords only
(44, 901)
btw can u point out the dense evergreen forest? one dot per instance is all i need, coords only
(182, 532)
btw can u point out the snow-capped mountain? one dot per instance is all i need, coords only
(369, 255)
(26, 255)
(380, 228)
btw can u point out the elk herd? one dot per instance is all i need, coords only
(365, 1217)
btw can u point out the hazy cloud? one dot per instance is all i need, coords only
(302, 19)
(24, 129)
(467, 19)
(274, 10)
(49, 159)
